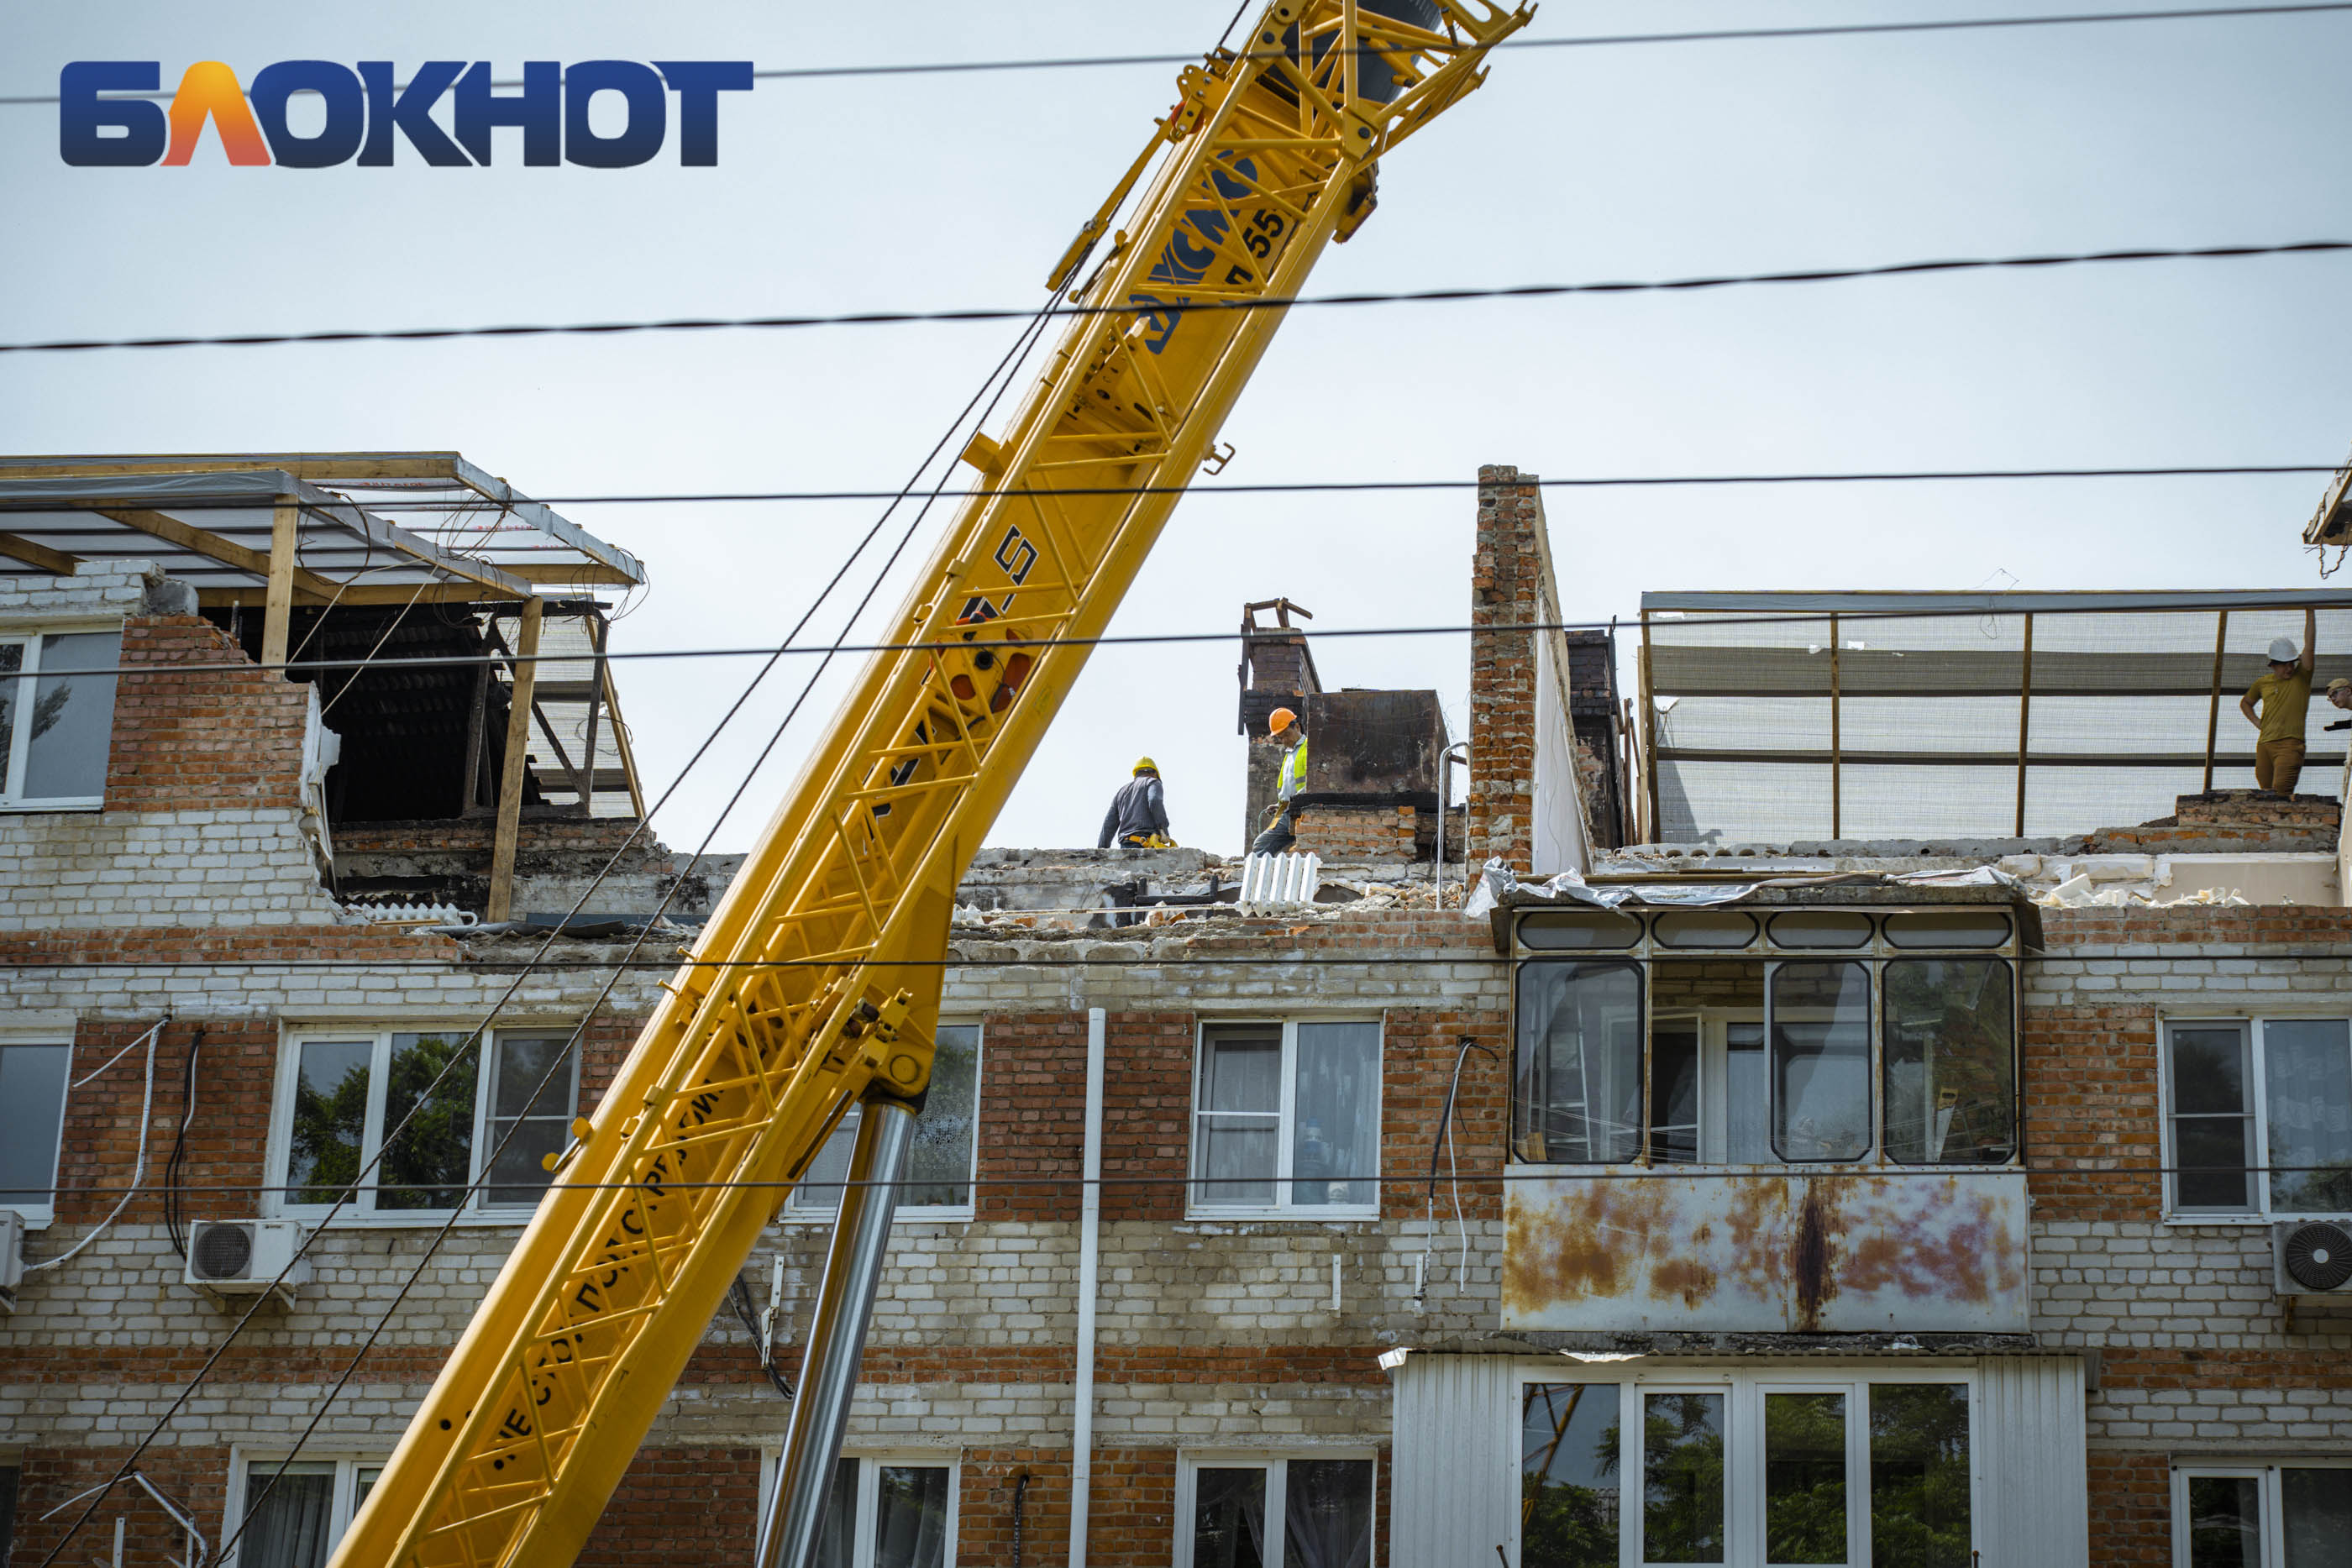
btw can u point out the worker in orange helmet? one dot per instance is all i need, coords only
(1137, 818)
(1283, 728)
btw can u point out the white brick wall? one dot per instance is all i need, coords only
(154, 870)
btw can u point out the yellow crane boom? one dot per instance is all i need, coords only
(816, 982)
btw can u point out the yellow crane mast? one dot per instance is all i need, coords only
(816, 984)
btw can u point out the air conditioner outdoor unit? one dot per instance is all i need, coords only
(2312, 1257)
(12, 1256)
(245, 1257)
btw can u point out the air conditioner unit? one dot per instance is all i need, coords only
(245, 1257)
(2312, 1257)
(12, 1256)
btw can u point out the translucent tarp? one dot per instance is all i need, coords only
(1943, 721)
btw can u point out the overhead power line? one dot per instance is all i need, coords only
(1588, 41)
(1012, 313)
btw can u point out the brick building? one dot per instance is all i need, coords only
(1834, 1162)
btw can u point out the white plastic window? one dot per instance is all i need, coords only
(57, 718)
(1300, 1510)
(939, 1170)
(33, 1075)
(886, 1510)
(341, 1092)
(1286, 1117)
(297, 1521)
(2258, 1116)
(2288, 1515)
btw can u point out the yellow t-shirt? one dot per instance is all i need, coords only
(2285, 700)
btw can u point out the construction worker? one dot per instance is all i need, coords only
(2284, 693)
(1137, 818)
(2339, 695)
(1282, 726)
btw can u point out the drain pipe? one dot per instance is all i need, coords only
(1082, 1394)
(861, 1236)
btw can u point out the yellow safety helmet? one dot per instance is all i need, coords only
(1280, 719)
(1145, 765)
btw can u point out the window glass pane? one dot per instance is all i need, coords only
(910, 1515)
(836, 1538)
(820, 1188)
(1682, 1478)
(1747, 1104)
(1234, 1159)
(1580, 928)
(331, 1094)
(939, 1164)
(1242, 1069)
(528, 1122)
(2225, 1521)
(7, 1509)
(12, 660)
(429, 1165)
(2307, 1083)
(1804, 1477)
(1705, 928)
(1335, 1135)
(2315, 1517)
(2213, 1152)
(363, 1481)
(1919, 1475)
(290, 1529)
(32, 1111)
(1327, 1513)
(1673, 1090)
(1821, 1061)
(1820, 928)
(1568, 1475)
(1229, 1517)
(73, 715)
(1949, 928)
(1577, 1094)
(1949, 1062)
(2209, 1071)
(2212, 1121)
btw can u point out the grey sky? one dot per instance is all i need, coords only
(1570, 165)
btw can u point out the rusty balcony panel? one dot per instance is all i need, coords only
(1767, 1250)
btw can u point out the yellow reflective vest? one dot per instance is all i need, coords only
(1294, 771)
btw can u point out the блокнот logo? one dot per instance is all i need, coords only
(364, 110)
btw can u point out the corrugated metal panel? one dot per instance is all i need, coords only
(2033, 1499)
(1456, 1461)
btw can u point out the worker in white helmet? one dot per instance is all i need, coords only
(1137, 818)
(2284, 693)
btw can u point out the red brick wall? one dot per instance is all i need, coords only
(1359, 833)
(1505, 575)
(1033, 1115)
(1131, 1509)
(1147, 1115)
(984, 1523)
(698, 1505)
(2283, 925)
(1417, 1057)
(226, 1140)
(2131, 1510)
(2089, 1099)
(198, 739)
(195, 1477)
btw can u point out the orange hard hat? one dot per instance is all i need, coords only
(1280, 719)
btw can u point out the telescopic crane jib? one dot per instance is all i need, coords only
(826, 988)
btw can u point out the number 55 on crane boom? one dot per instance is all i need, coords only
(815, 986)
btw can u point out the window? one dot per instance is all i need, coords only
(1287, 1116)
(2235, 1087)
(341, 1092)
(1324, 1504)
(1858, 1473)
(7, 1509)
(1747, 1060)
(57, 718)
(939, 1162)
(32, 1074)
(888, 1511)
(301, 1517)
(2290, 1515)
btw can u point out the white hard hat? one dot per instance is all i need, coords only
(2283, 650)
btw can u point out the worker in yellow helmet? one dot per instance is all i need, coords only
(1283, 728)
(1137, 818)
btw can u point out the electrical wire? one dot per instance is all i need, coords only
(175, 1168)
(1590, 41)
(1177, 308)
(739, 1296)
(139, 1171)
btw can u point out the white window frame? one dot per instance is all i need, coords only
(1276, 1462)
(20, 738)
(1282, 1207)
(1743, 1427)
(278, 1200)
(40, 1216)
(804, 1207)
(2258, 1093)
(346, 1466)
(2268, 1473)
(870, 1460)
